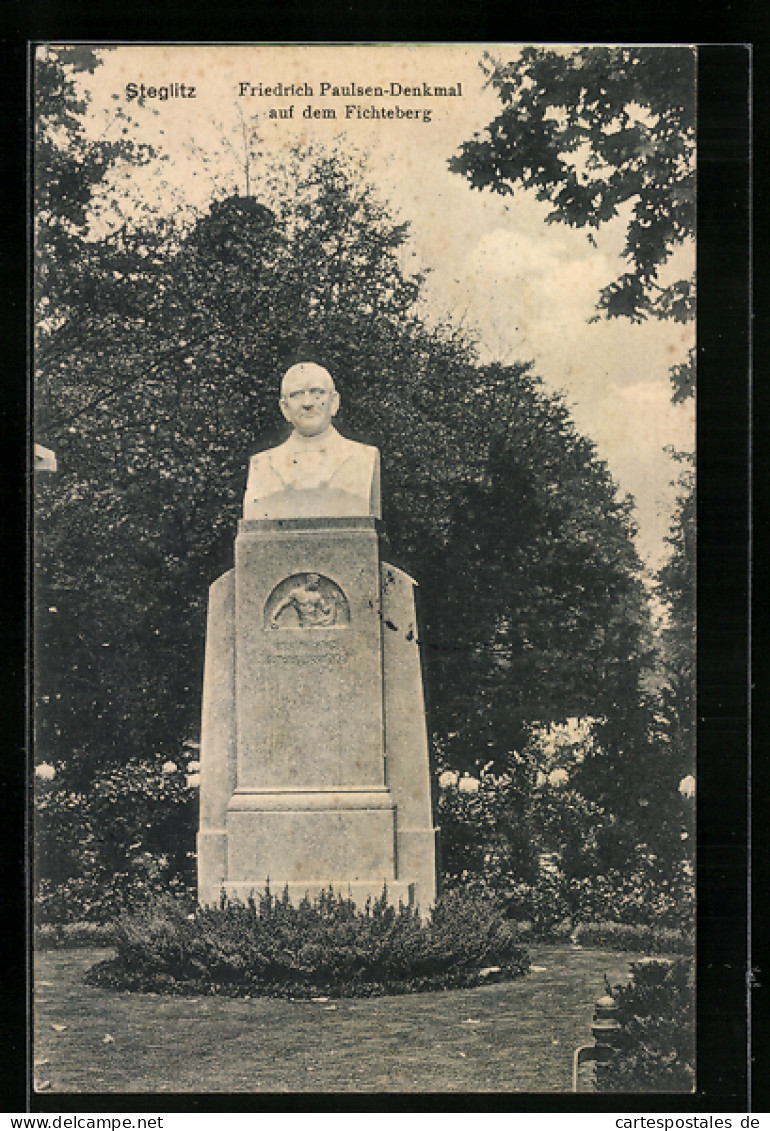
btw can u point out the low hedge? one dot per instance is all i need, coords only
(51, 936)
(271, 947)
(533, 932)
(608, 936)
(632, 936)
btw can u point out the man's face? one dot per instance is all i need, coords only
(309, 399)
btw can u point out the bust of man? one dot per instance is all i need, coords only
(316, 472)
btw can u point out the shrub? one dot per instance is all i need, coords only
(98, 895)
(494, 835)
(49, 936)
(557, 934)
(633, 936)
(104, 843)
(655, 1050)
(547, 904)
(271, 947)
(646, 893)
(542, 904)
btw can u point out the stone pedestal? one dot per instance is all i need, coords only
(314, 753)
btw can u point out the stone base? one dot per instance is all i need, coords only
(305, 836)
(398, 891)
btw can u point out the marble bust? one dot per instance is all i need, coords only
(316, 472)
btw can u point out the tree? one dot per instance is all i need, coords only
(157, 402)
(163, 382)
(676, 587)
(70, 167)
(592, 130)
(156, 409)
(600, 133)
(536, 611)
(69, 170)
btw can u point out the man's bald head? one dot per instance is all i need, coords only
(306, 371)
(309, 399)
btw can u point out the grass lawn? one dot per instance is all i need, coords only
(519, 1036)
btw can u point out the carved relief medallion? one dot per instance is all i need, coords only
(307, 600)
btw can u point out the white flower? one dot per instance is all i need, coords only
(468, 784)
(45, 772)
(558, 777)
(169, 768)
(193, 767)
(448, 779)
(687, 786)
(540, 779)
(193, 780)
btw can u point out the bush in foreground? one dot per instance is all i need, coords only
(270, 947)
(655, 1051)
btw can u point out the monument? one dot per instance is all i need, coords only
(314, 749)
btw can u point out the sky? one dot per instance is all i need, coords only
(524, 288)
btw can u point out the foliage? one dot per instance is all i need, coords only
(546, 903)
(656, 1045)
(485, 834)
(529, 576)
(70, 171)
(506, 835)
(270, 946)
(676, 580)
(66, 936)
(161, 355)
(549, 855)
(591, 130)
(69, 166)
(558, 933)
(676, 587)
(603, 132)
(101, 845)
(633, 775)
(533, 606)
(648, 893)
(646, 938)
(683, 379)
